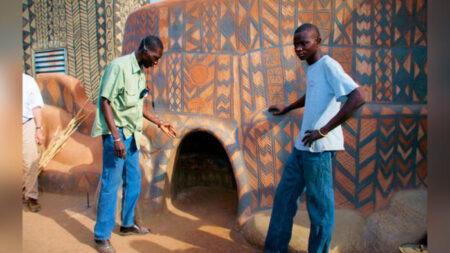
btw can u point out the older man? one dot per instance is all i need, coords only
(119, 120)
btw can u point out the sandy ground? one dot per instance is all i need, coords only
(202, 220)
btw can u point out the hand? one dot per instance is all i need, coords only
(119, 149)
(39, 136)
(168, 129)
(277, 109)
(310, 137)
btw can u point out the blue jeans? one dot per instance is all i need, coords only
(115, 170)
(313, 171)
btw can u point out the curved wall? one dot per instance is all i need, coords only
(226, 61)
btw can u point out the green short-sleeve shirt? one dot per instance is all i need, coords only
(122, 82)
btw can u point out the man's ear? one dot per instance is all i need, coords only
(319, 40)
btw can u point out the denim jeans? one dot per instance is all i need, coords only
(302, 170)
(115, 170)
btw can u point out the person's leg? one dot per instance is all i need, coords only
(320, 200)
(30, 160)
(285, 205)
(131, 183)
(110, 182)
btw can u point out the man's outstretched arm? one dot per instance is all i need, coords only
(167, 128)
(282, 109)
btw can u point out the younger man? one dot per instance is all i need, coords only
(309, 165)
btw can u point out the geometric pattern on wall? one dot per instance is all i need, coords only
(210, 26)
(193, 26)
(270, 11)
(267, 144)
(273, 71)
(198, 83)
(363, 22)
(317, 12)
(287, 21)
(176, 27)
(294, 84)
(86, 28)
(409, 77)
(104, 35)
(382, 18)
(227, 24)
(224, 87)
(120, 12)
(226, 61)
(363, 73)
(385, 141)
(421, 154)
(343, 22)
(28, 31)
(383, 76)
(74, 56)
(248, 25)
(173, 66)
(164, 144)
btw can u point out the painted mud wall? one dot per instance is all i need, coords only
(91, 31)
(226, 61)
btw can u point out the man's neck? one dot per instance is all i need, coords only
(314, 58)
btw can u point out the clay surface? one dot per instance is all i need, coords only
(200, 220)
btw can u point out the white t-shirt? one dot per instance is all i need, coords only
(31, 97)
(327, 85)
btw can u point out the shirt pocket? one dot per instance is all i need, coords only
(131, 93)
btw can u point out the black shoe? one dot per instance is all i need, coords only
(33, 205)
(133, 230)
(104, 246)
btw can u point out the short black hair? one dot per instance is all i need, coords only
(308, 27)
(151, 42)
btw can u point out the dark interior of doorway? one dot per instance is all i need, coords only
(202, 162)
(203, 182)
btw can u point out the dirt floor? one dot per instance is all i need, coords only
(201, 220)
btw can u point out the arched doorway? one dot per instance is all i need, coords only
(203, 182)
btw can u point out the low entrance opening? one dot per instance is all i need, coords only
(203, 183)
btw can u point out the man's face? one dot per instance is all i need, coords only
(306, 44)
(151, 57)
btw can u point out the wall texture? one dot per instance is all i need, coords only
(91, 31)
(226, 61)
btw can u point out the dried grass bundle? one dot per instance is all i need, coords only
(60, 139)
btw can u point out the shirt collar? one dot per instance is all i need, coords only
(134, 64)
